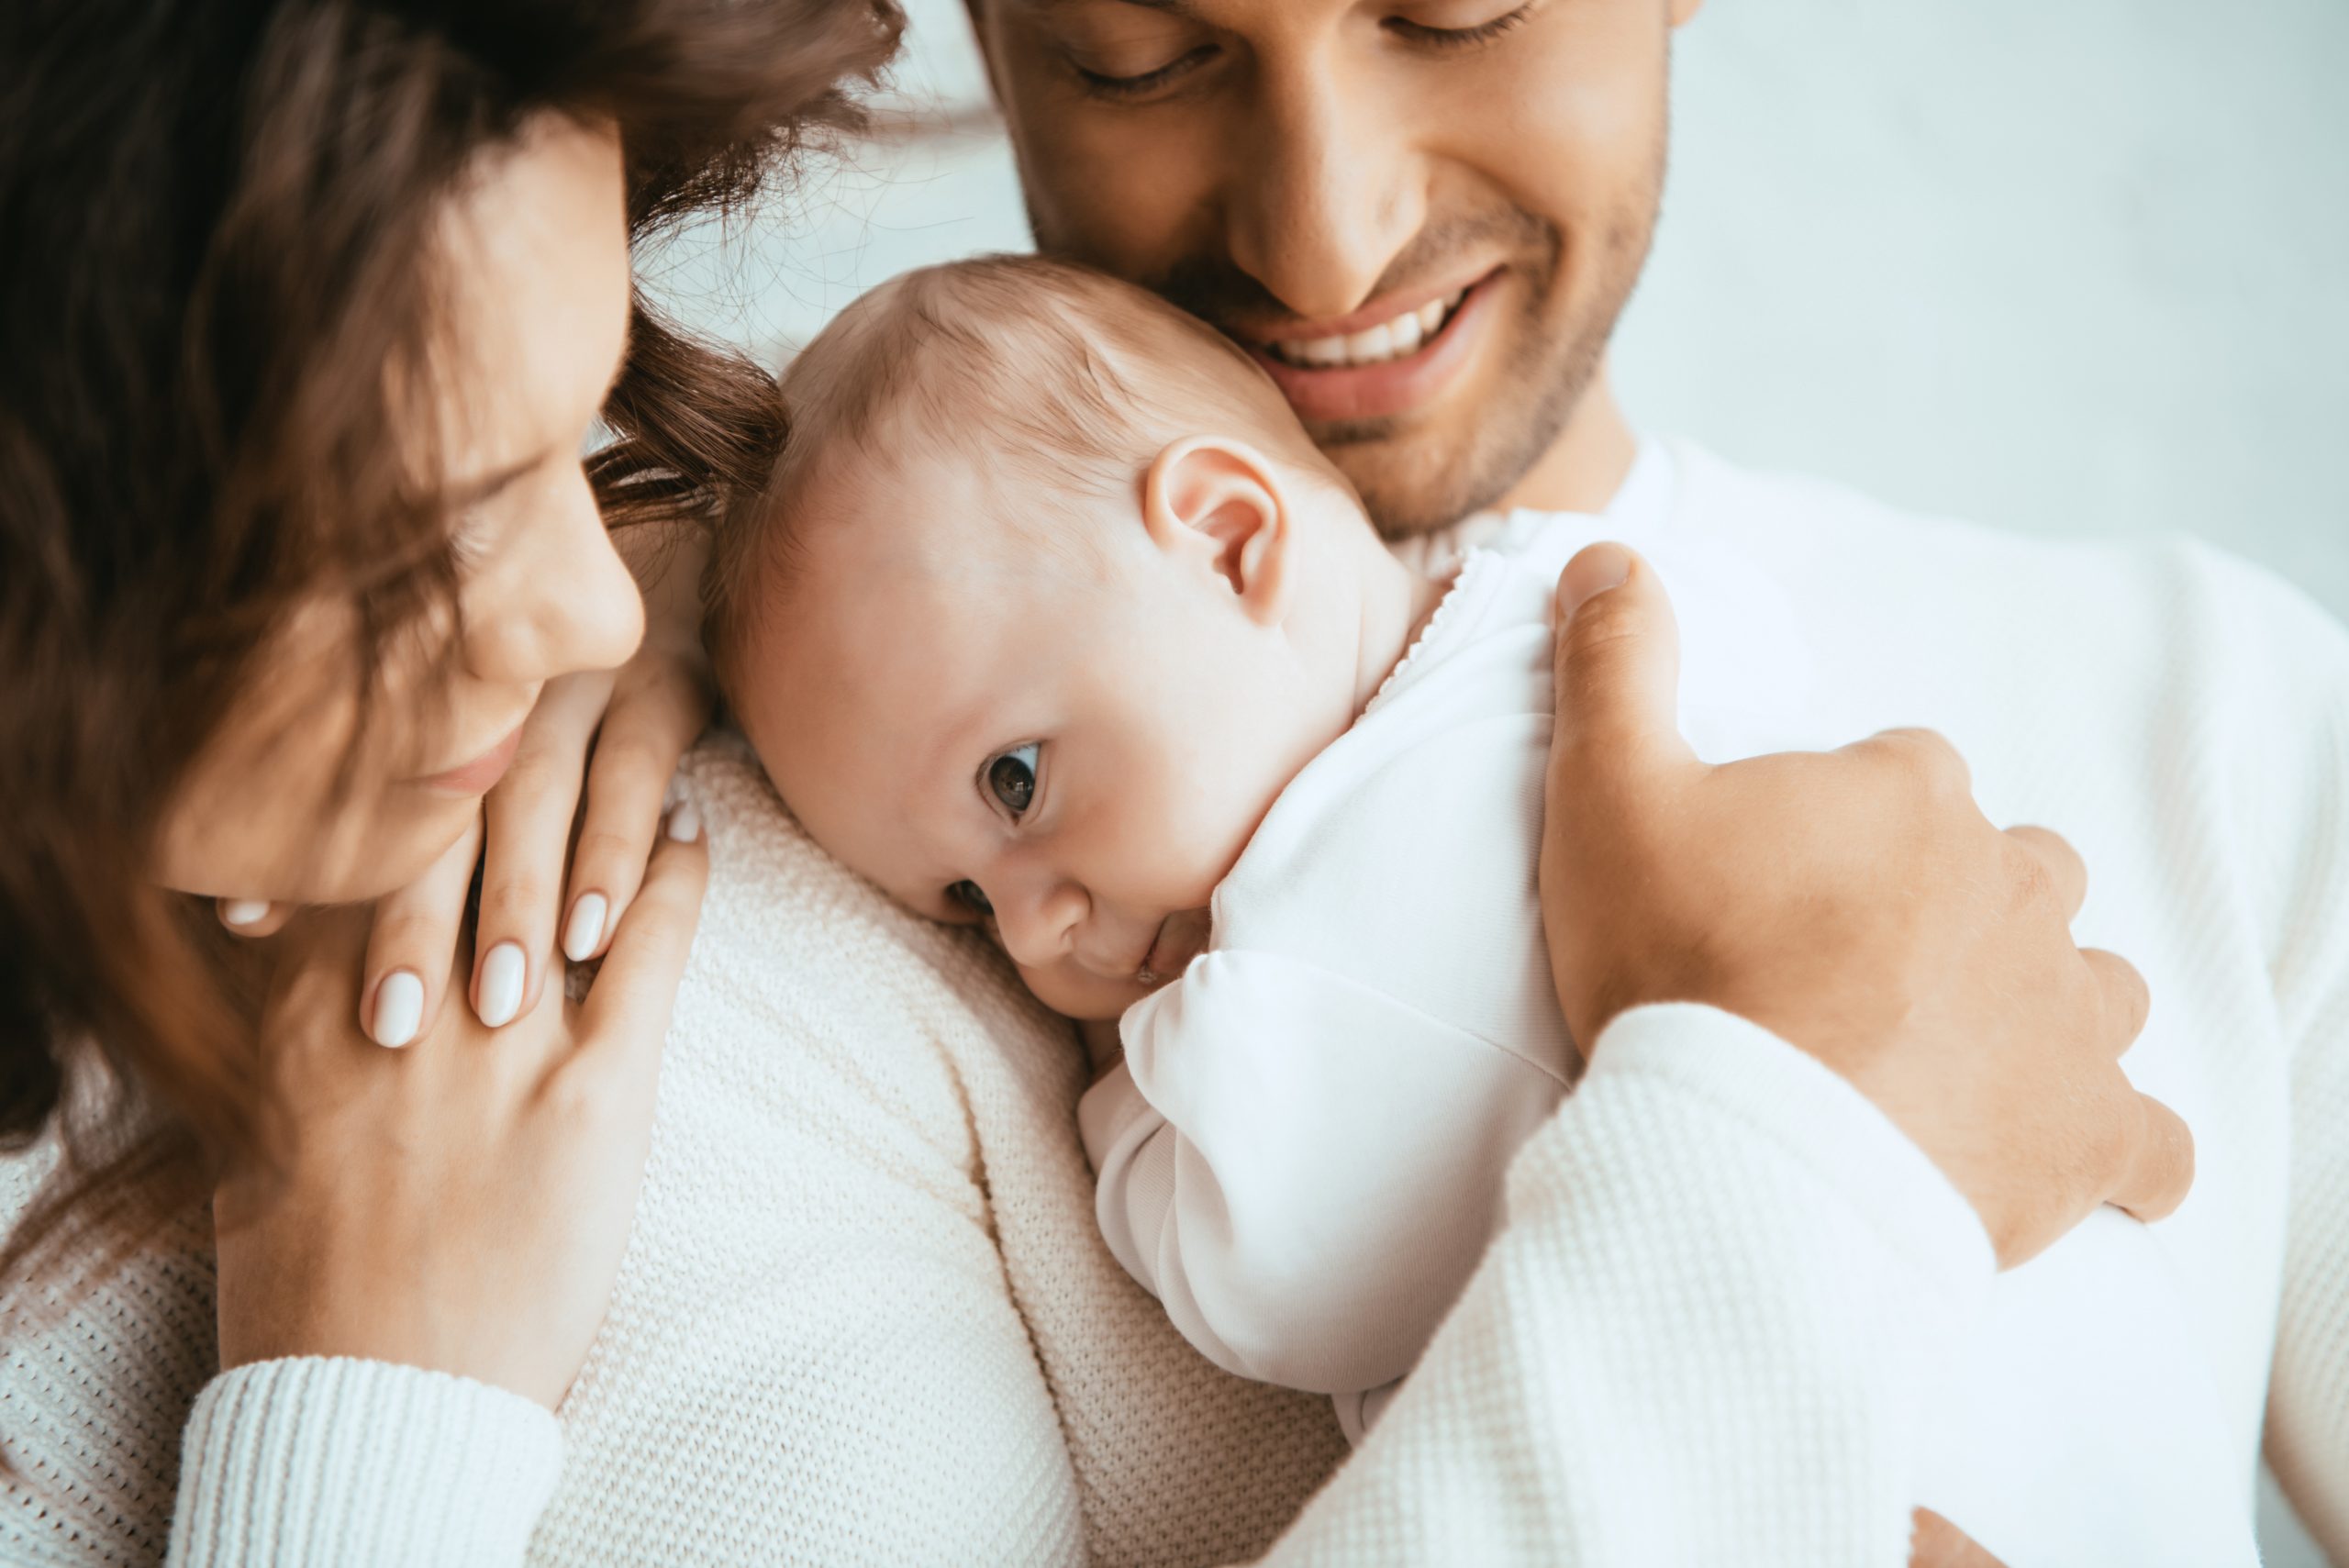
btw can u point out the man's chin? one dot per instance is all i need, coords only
(1412, 482)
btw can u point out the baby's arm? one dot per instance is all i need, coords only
(1303, 1170)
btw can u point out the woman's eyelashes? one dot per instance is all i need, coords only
(966, 893)
(1010, 779)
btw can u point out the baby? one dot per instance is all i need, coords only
(1053, 621)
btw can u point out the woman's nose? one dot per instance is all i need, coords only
(559, 600)
(1037, 923)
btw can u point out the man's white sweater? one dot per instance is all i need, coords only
(864, 1315)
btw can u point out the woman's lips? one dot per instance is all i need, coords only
(1394, 387)
(479, 776)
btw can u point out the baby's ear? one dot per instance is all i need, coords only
(1218, 505)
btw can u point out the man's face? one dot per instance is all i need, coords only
(1423, 216)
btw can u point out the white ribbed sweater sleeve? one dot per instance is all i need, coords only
(1702, 1338)
(333, 1462)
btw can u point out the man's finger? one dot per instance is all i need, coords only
(1937, 1543)
(2126, 999)
(1922, 754)
(1618, 664)
(2067, 873)
(627, 1012)
(2160, 1163)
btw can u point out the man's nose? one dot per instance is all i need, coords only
(1328, 189)
(558, 601)
(1037, 919)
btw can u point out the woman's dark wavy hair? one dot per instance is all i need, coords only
(213, 215)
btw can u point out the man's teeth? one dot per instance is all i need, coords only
(1392, 339)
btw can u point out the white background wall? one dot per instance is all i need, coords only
(2076, 267)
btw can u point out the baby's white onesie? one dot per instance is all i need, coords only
(1302, 1152)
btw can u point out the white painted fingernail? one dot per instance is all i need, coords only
(399, 1008)
(244, 911)
(684, 823)
(586, 927)
(502, 975)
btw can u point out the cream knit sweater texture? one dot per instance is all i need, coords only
(864, 1315)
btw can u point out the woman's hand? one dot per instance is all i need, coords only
(1857, 904)
(616, 735)
(461, 1205)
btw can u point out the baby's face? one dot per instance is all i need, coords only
(1070, 746)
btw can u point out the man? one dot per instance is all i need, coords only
(1424, 220)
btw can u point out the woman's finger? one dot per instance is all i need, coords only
(657, 712)
(253, 917)
(412, 950)
(627, 1012)
(528, 830)
(317, 962)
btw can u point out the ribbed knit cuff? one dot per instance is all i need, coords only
(1745, 1071)
(344, 1463)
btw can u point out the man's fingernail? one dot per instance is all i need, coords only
(244, 911)
(684, 823)
(585, 928)
(1595, 570)
(502, 976)
(399, 1008)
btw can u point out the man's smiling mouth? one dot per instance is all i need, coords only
(1398, 336)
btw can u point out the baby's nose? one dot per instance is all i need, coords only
(1037, 930)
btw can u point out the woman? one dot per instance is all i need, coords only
(297, 536)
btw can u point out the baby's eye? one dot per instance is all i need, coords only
(1011, 778)
(966, 893)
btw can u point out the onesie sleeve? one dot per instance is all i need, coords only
(1302, 1168)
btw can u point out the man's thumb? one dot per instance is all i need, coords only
(1617, 662)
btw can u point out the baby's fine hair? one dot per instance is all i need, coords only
(1050, 373)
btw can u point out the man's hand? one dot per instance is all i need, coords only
(1857, 904)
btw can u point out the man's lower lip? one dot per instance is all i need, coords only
(480, 776)
(1394, 387)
